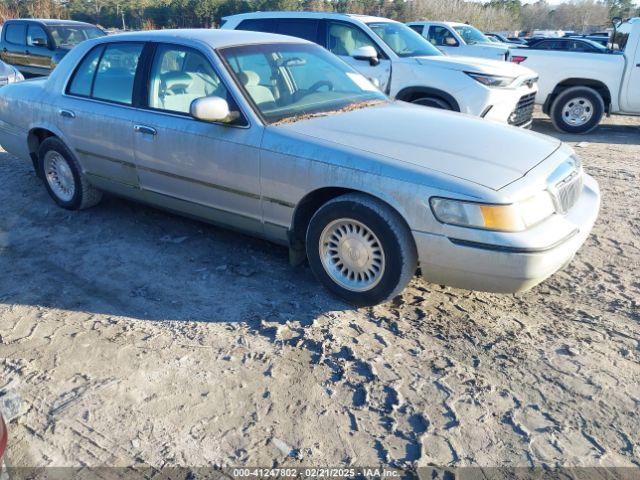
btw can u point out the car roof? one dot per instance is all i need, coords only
(438, 22)
(52, 21)
(212, 37)
(318, 15)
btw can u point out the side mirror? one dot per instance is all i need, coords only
(366, 53)
(210, 109)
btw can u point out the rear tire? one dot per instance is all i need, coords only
(433, 102)
(63, 177)
(577, 110)
(360, 249)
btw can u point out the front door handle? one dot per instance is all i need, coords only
(144, 129)
(67, 114)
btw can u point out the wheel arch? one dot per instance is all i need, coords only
(312, 201)
(596, 85)
(409, 94)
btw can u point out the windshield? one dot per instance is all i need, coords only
(289, 82)
(596, 45)
(470, 34)
(71, 35)
(404, 41)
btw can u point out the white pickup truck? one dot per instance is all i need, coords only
(577, 88)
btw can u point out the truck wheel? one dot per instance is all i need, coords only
(433, 102)
(63, 177)
(360, 249)
(577, 110)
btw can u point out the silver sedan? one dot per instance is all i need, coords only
(279, 138)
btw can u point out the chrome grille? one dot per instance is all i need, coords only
(568, 190)
(524, 110)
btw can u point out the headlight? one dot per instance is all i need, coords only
(515, 217)
(491, 80)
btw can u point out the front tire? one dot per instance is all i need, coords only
(360, 249)
(63, 177)
(577, 110)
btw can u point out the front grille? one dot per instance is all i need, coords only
(524, 110)
(568, 190)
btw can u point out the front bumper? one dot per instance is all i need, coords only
(505, 269)
(512, 106)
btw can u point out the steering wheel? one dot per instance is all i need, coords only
(319, 84)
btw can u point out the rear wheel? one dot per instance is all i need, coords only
(577, 110)
(360, 249)
(63, 177)
(434, 102)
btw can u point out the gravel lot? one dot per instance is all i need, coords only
(130, 336)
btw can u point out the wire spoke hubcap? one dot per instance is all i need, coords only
(59, 176)
(577, 111)
(352, 255)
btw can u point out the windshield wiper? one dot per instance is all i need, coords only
(347, 108)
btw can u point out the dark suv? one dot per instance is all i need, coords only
(36, 46)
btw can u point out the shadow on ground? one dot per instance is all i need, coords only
(126, 259)
(610, 133)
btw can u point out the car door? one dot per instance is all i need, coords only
(343, 38)
(210, 170)
(630, 91)
(443, 39)
(38, 53)
(95, 114)
(14, 46)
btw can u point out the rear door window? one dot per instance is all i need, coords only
(417, 28)
(15, 33)
(116, 73)
(83, 77)
(268, 25)
(306, 29)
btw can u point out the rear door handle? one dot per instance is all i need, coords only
(67, 114)
(144, 129)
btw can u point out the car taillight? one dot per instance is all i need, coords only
(518, 58)
(4, 437)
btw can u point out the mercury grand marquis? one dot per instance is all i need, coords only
(315, 158)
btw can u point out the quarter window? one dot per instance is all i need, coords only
(36, 36)
(344, 39)
(15, 33)
(181, 75)
(116, 73)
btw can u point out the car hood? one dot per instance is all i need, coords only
(479, 65)
(486, 153)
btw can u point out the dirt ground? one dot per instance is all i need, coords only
(130, 336)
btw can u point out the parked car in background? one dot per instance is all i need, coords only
(568, 44)
(320, 160)
(9, 74)
(577, 89)
(601, 39)
(406, 66)
(460, 39)
(499, 38)
(36, 46)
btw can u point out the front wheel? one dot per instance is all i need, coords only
(360, 249)
(577, 110)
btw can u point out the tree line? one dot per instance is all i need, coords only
(504, 15)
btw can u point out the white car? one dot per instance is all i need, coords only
(460, 39)
(407, 67)
(577, 88)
